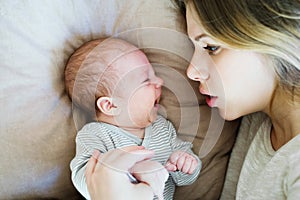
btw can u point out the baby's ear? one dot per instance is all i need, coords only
(106, 106)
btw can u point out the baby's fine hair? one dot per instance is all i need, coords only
(89, 72)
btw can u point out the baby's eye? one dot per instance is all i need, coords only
(146, 81)
(213, 50)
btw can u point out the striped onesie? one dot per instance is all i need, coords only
(160, 137)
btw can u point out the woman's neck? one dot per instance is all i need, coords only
(285, 128)
(285, 117)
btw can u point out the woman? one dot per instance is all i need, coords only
(247, 61)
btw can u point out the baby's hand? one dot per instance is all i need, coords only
(181, 161)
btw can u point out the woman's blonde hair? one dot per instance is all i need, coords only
(270, 27)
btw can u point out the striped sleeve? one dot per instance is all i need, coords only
(86, 143)
(177, 144)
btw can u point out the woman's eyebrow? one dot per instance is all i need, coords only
(201, 36)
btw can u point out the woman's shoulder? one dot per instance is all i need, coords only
(251, 124)
(255, 118)
(290, 153)
(292, 150)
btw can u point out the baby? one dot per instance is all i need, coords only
(114, 82)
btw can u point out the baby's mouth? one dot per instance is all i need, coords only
(156, 102)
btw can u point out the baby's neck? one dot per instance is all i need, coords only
(140, 133)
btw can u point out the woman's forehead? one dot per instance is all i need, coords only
(194, 27)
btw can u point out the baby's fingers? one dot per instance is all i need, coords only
(187, 165)
(180, 163)
(170, 167)
(193, 167)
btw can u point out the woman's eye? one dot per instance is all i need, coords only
(212, 49)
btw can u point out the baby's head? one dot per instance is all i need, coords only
(89, 73)
(103, 76)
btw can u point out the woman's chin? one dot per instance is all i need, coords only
(228, 116)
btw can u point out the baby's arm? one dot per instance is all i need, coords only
(86, 143)
(182, 158)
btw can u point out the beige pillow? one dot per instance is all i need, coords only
(37, 125)
(193, 118)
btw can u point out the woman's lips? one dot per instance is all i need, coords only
(211, 100)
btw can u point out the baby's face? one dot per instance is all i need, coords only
(139, 89)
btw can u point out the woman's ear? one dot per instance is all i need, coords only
(106, 106)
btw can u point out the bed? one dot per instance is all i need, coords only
(38, 122)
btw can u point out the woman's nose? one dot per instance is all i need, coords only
(198, 68)
(196, 74)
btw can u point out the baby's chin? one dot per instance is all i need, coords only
(148, 120)
(153, 116)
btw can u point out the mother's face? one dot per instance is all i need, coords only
(237, 82)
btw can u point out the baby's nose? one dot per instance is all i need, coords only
(158, 82)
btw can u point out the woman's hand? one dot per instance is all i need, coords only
(152, 173)
(106, 174)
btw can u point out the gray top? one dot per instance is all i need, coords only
(256, 170)
(159, 137)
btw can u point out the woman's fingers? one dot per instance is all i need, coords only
(142, 191)
(92, 163)
(123, 159)
(152, 173)
(133, 148)
(120, 159)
